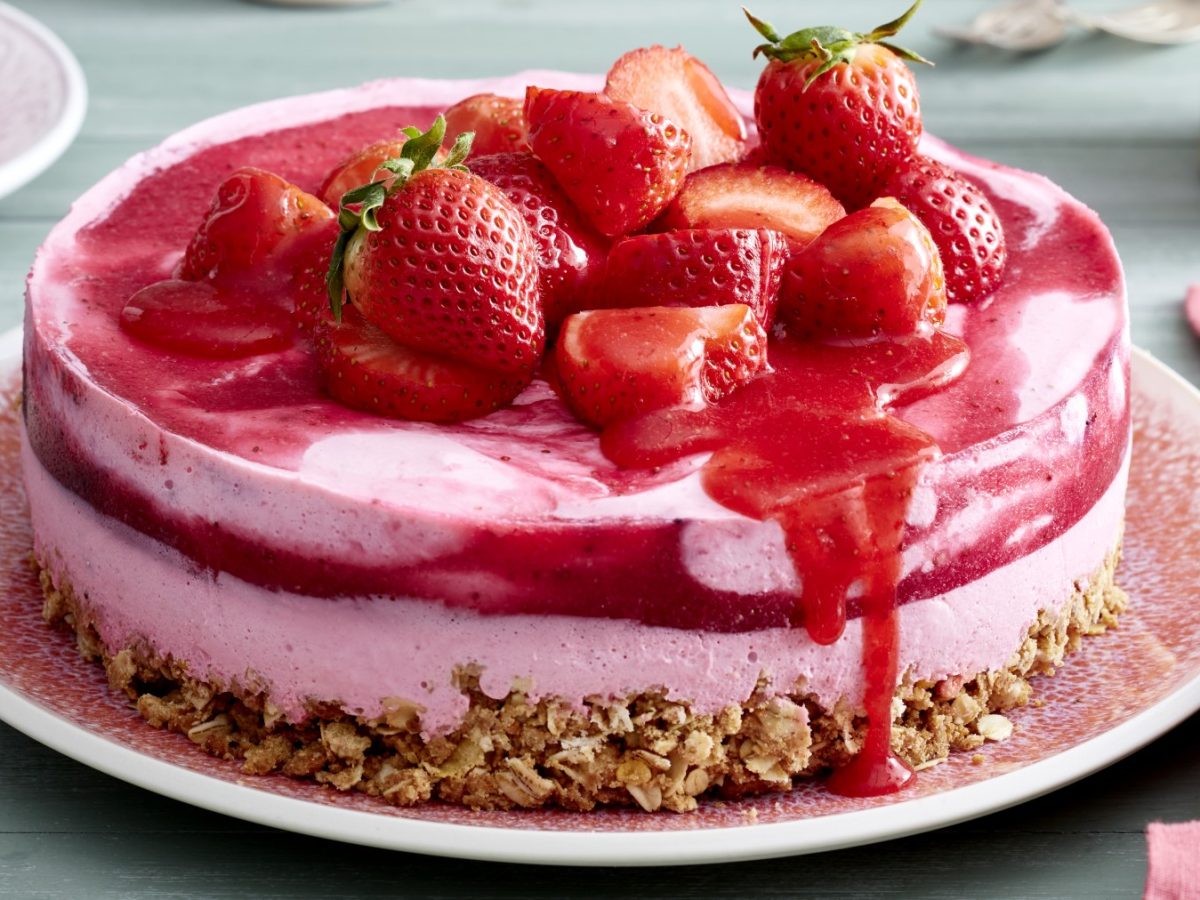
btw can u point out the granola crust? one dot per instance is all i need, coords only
(643, 750)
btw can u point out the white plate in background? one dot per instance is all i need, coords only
(43, 97)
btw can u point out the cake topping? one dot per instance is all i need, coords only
(839, 106)
(361, 168)
(874, 272)
(570, 252)
(697, 267)
(498, 123)
(615, 364)
(364, 368)
(198, 319)
(619, 164)
(261, 234)
(754, 196)
(965, 228)
(680, 88)
(1191, 307)
(441, 261)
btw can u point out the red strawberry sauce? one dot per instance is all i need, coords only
(837, 473)
(808, 447)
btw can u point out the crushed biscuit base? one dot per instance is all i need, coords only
(644, 751)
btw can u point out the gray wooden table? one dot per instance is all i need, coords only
(1117, 125)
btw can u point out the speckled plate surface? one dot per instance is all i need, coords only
(1119, 692)
(43, 96)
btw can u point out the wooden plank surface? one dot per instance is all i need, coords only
(1117, 125)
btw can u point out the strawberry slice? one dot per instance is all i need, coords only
(570, 252)
(749, 196)
(498, 123)
(614, 364)
(361, 367)
(680, 88)
(877, 271)
(697, 267)
(197, 318)
(962, 221)
(619, 164)
(255, 215)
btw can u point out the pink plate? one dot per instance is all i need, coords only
(1120, 692)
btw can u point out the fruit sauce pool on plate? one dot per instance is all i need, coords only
(123, 253)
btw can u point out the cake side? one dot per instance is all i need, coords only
(258, 441)
(304, 649)
(642, 749)
(227, 538)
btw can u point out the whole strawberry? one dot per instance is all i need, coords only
(963, 223)
(839, 106)
(440, 260)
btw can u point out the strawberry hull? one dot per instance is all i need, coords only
(242, 465)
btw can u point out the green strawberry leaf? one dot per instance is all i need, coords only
(829, 45)
(460, 151)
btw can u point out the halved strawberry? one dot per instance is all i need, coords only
(620, 165)
(498, 123)
(359, 169)
(614, 364)
(255, 215)
(749, 196)
(877, 271)
(697, 267)
(363, 368)
(682, 90)
(199, 319)
(963, 223)
(570, 252)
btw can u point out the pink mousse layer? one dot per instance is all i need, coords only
(246, 469)
(358, 651)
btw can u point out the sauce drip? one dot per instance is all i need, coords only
(837, 472)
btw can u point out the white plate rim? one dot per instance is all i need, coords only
(622, 848)
(39, 155)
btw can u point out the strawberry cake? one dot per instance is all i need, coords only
(531, 481)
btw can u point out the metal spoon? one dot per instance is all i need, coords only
(1158, 22)
(1021, 25)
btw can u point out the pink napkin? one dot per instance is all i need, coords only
(1192, 307)
(1173, 853)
